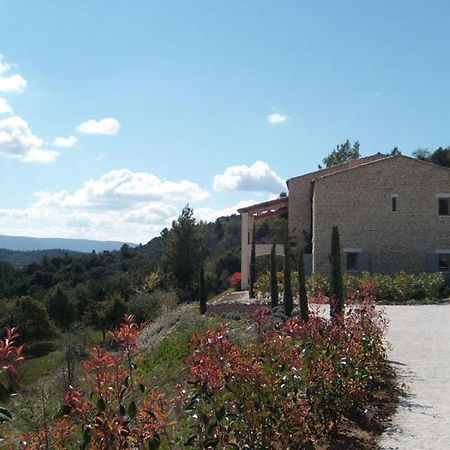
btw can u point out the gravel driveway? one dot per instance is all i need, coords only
(420, 340)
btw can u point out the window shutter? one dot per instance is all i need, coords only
(307, 260)
(364, 262)
(433, 262)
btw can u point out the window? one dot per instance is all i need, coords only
(444, 209)
(394, 203)
(351, 261)
(444, 262)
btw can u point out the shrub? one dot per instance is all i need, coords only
(281, 390)
(397, 288)
(38, 349)
(147, 306)
(235, 280)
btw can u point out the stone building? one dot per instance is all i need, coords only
(393, 214)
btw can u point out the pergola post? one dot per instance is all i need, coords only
(249, 215)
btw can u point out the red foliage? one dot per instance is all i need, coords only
(10, 354)
(235, 280)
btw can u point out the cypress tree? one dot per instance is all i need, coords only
(337, 288)
(251, 290)
(273, 277)
(287, 295)
(303, 298)
(201, 287)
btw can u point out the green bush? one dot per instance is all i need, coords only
(38, 349)
(147, 306)
(400, 287)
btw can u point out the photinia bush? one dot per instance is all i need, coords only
(235, 280)
(289, 387)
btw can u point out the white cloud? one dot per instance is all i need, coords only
(258, 177)
(108, 126)
(123, 189)
(65, 142)
(10, 83)
(276, 118)
(5, 106)
(18, 141)
(121, 204)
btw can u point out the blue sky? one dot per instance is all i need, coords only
(187, 90)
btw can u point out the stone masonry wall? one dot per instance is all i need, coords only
(359, 202)
(300, 197)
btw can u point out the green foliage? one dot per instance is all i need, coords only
(201, 287)
(337, 289)
(148, 306)
(302, 295)
(287, 293)
(441, 156)
(32, 319)
(40, 348)
(183, 251)
(343, 153)
(61, 308)
(400, 287)
(273, 278)
(251, 289)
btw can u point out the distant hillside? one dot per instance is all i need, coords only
(21, 259)
(23, 243)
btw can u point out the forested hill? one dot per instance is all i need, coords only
(96, 289)
(25, 243)
(23, 258)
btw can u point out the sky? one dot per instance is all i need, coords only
(115, 114)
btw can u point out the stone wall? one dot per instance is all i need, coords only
(359, 202)
(300, 191)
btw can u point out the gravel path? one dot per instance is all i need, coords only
(420, 339)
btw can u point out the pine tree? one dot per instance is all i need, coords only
(182, 252)
(251, 290)
(273, 277)
(337, 288)
(287, 295)
(303, 298)
(201, 287)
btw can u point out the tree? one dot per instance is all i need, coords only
(182, 251)
(32, 320)
(342, 153)
(61, 308)
(287, 294)
(337, 288)
(395, 152)
(303, 298)
(251, 290)
(273, 277)
(441, 156)
(201, 287)
(422, 154)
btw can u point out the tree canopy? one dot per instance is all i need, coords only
(342, 153)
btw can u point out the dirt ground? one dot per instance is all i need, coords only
(420, 341)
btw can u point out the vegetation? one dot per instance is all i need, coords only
(282, 376)
(440, 156)
(337, 288)
(303, 298)
(273, 277)
(202, 288)
(397, 288)
(251, 289)
(287, 292)
(341, 154)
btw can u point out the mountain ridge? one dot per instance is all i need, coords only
(28, 243)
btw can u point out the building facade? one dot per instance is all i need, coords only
(393, 214)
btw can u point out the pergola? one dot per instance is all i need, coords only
(249, 215)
